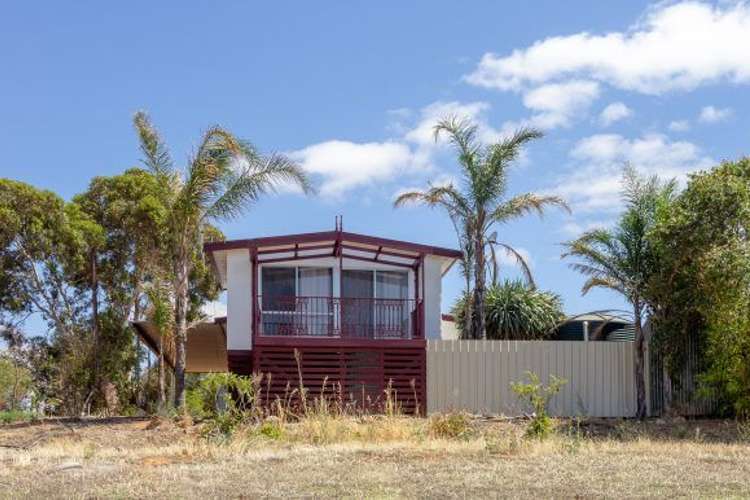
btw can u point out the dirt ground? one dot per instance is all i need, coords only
(128, 458)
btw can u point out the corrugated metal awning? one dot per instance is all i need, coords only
(206, 349)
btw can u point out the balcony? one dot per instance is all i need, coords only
(334, 317)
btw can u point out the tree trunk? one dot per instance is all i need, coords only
(640, 381)
(468, 305)
(162, 390)
(181, 310)
(479, 330)
(95, 321)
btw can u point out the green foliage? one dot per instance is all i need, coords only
(515, 311)
(272, 429)
(624, 259)
(15, 383)
(538, 397)
(13, 416)
(482, 204)
(40, 243)
(701, 289)
(224, 401)
(454, 425)
(223, 177)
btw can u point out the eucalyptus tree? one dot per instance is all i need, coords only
(481, 203)
(222, 178)
(623, 259)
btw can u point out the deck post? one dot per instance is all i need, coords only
(254, 287)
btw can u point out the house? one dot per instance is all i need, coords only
(337, 307)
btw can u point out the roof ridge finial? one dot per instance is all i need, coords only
(339, 223)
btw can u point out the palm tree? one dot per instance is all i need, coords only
(622, 259)
(222, 178)
(483, 203)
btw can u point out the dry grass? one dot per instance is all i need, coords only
(374, 457)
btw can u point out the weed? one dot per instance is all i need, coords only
(538, 396)
(272, 428)
(455, 425)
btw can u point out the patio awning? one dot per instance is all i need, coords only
(206, 345)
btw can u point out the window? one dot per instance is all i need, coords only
(296, 300)
(373, 303)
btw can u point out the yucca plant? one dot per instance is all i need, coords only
(516, 310)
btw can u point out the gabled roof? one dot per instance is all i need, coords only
(336, 243)
(289, 241)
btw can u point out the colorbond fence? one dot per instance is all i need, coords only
(475, 375)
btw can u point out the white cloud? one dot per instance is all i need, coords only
(679, 126)
(710, 114)
(423, 132)
(593, 182)
(344, 165)
(341, 166)
(675, 46)
(614, 112)
(556, 104)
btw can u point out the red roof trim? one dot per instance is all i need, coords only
(328, 236)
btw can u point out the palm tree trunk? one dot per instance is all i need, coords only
(479, 331)
(468, 304)
(181, 310)
(640, 383)
(162, 391)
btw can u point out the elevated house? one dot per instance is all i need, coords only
(335, 306)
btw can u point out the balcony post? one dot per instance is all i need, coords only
(254, 287)
(419, 294)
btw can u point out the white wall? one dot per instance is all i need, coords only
(239, 300)
(449, 330)
(433, 283)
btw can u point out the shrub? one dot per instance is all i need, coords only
(538, 397)
(11, 416)
(516, 311)
(455, 425)
(224, 401)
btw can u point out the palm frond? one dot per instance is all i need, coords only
(506, 151)
(524, 204)
(156, 154)
(258, 177)
(446, 197)
(461, 133)
(603, 282)
(209, 169)
(520, 260)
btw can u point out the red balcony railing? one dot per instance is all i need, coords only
(338, 317)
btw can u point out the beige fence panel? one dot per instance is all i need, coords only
(475, 375)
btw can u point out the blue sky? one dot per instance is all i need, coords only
(350, 90)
